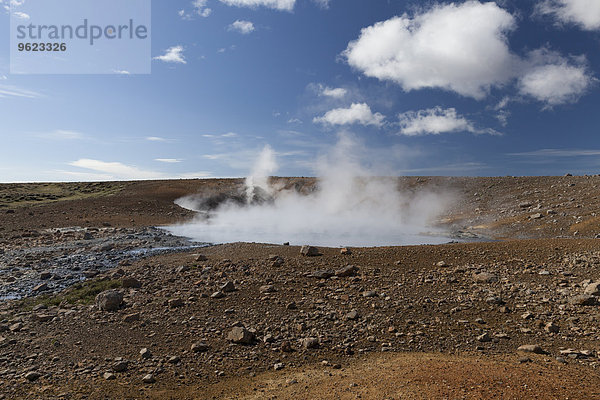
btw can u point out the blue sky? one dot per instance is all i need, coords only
(436, 88)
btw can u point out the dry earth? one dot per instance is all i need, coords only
(264, 321)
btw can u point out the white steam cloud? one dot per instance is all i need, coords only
(350, 206)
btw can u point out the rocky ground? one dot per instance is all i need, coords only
(504, 319)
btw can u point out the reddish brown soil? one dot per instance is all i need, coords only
(426, 318)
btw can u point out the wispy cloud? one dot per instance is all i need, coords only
(282, 5)
(558, 153)
(120, 171)
(243, 27)
(21, 15)
(14, 91)
(158, 139)
(173, 55)
(168, 160)
(61, 134)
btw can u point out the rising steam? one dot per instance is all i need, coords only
(350, 206)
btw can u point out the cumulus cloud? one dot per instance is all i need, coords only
(464, 48)
(282, 5)
(357, 113)
(336, 93)
(554, 80)
(458, 47)
(585, 13)
(243, 27)
(200, 8)
(173, 55)
(435, 121)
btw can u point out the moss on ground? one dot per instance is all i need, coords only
(81, 293)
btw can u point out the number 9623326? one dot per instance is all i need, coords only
(42, 47)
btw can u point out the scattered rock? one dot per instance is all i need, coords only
(485, 277)
(175, 303)
(131, 282)
(16, 327)
(286, 346)
(120, 366)
(40, 288)
(583, 300)
(109, 300)
(531, 348)
(199, 347)
(551, 327)
(593, 289)
(310, 343)
(145, 353)
(309, 251)
(131, 317)
(345, 251)
(322, 274)
(240, 335)
(109, 376)
(32, 376)
(352, 315)
(148, 378)
(227, 287)
(484, 338)
(217, 295)
(350, 270)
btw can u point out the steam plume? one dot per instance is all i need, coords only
(350, 206)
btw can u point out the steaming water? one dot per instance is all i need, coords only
(351, 207)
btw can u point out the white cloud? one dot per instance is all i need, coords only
(322, 3)
(585, 13)
(558, 153)
(168, 160)
(120, 171)
(435, 121)
(229, 135)
(121, 72)
(464, 48)
(243, 27)
(13, 91)
(201, 9)
(294, 121)
(358, 113)
(336, 93)
(283, 5)
(553, 80)
(21, 15)
(458, 47)
(173, 55)
(157, 139)
(61, 134)
(116, 169)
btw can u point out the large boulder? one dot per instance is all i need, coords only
(309, 251)
(241, 335)
(109, 300)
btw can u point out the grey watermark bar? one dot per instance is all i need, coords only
(80, 37)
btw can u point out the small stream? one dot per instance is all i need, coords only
(54, 259)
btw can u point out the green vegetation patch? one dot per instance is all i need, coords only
(81, 293)
(24, 194)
